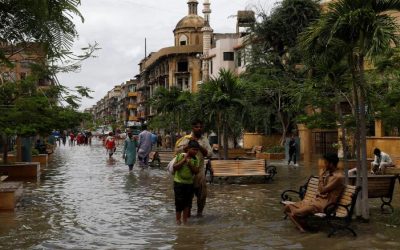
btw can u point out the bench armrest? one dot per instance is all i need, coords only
(290, 195)
(271, 171)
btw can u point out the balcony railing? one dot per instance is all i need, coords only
(132, 94)
(133, 118)
(132, 106)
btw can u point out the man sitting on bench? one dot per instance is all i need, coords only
(381, 162)
(330, 187)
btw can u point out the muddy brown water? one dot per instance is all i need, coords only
(86, 201)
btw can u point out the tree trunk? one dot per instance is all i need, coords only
(5, 149)
(219, 134)
(356, 141)
(173, 134)
(363, 141)
(284, 128)
(344, 144)
(225, 141)
(18, 152)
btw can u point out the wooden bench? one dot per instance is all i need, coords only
(380, 186)
(10, 193)
(338, 216)
(228, 168)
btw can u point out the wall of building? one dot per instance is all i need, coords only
(390, 145)
(255, 139)
(222, 45)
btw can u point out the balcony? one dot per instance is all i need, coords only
(132, 106)
(132, 94)
(133, 118)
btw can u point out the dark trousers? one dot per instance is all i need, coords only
(292, 154)
(183, 196)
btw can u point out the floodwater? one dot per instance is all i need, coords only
(86, 201)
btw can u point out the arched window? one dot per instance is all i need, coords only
(183, 40)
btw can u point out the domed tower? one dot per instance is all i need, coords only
(188, 30)
(207, 39)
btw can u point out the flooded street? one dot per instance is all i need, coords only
(86, 201)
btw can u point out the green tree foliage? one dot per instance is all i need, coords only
(174, 108)
(221, 99)
(274, 76)
(46, 26)
(48, 22)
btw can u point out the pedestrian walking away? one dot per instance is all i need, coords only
(129, 151)
(144, 147)
(292, 150)
(185, 168)
(110, 144)
(199, 183)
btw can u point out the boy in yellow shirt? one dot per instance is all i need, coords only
(186, 167)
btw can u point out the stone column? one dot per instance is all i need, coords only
(306, 145)
(379, 129)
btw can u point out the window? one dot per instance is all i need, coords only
(183, 67)
(239, 58)
(183, 83)
(180, 83)
(229, 56)
(211, 67)
(183, 40)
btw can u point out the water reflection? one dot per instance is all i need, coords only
(86, 201)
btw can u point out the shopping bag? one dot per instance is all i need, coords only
(170, 166)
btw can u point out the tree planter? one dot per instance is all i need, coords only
(270, 156)
(21, 170)
(42, 158)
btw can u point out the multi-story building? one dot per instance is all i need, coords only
(22, 57)
(198, 54)
(179, 65)
(132, 113)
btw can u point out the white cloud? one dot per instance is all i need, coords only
(120, 27)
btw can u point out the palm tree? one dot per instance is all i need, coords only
(221, 97)
(174, 103)
(366, 31)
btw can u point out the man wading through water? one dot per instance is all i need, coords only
(199, 182)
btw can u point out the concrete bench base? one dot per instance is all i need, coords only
(21, 170)
(43, 159)
(10, 193)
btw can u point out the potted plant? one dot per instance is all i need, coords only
(273, 153)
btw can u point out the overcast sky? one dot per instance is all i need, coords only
(121, 26)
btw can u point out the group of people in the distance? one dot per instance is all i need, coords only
(81, 138)
(134, 147)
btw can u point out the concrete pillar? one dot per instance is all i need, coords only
(305, 136)
(379, 129)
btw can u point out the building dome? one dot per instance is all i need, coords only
(190, 21)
